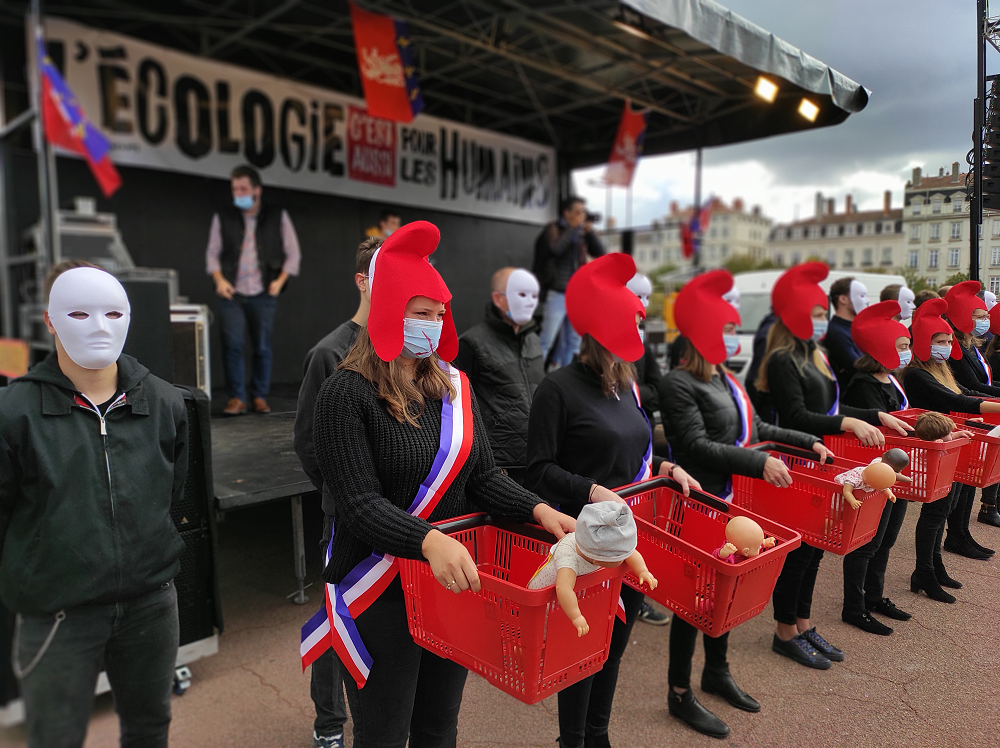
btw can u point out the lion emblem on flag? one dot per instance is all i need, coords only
(384, 69)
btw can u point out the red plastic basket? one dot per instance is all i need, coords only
(814, 504)
(979, 461)
(678, 537)
(932, 464)
(519, 640)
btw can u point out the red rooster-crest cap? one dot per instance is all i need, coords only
(875, 332)
(962, 302)
(400, 270)
(598, 304)
(795, 294)
(928, 322)
(700, 313)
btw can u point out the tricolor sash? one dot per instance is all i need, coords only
(986, 366)
(835, 408)
(333, 625)
(898, 386)
(646, 468)
(745, 409)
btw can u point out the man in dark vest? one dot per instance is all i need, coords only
(503, 360)
(252, 250)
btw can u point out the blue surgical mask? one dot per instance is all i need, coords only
(982, 327)
(243, 202)
(940, 353)
(905, 357)
(819, 329)
(421, 337)
(732, 344)
(642, 336)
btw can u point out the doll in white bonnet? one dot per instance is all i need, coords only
(605, 536)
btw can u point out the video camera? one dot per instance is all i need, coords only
(593, 217)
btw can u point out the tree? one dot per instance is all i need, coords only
(746, 263)
(956, 278)
(914, 281)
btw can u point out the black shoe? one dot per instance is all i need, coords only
(800, 650)
(822, 645)
(596, 741)
(989, 515)
(979, 546)
(721, 683)
(686, 708)
(652, 616)
(964, 548)
(941, 575)
(884, 607)
(927, 582)
(865, 622)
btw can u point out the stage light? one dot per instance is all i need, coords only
(808, 110)
(634, 31)
(766, 89)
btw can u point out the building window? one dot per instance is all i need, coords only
(956, 229)
(779, 258)
(796, 258)
(914, 258)
(831, 257)
(654, 255)
(725, 251)
(848, 258)
(642, 255)
(956, 205)
(953, 257)
(725, 232)
(887, 228)
(936, 206)
(814, 232)
(996, 228)
(915, 231)
(869, 228)
(866, 257)
(797, 232)
(995, 283)
(932, 259)
(996, 257)
(935, 231)
(849, 229)
(916, 209)
(886, 255)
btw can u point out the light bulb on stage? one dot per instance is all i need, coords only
(808, 110)
(766, 89)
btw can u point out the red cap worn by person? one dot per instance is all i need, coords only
(875, 331)
(928, 322)
(995, 319)
(795, 294)
(399, 270)
(962, 302)
(700, 313)
(598, 304)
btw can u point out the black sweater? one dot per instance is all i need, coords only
(865, 391)
(374, 465)
(924, 391)
(648, 377)
(578, 436)
(801, 394)
(969, 373)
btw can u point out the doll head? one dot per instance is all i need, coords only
(879, 476)
(932, 426)
(745, 534)
(606, 533)
(897, 459)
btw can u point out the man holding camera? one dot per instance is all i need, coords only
(561, 249)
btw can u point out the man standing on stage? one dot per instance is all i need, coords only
(326, 688)
(252, 251)
(503, 360)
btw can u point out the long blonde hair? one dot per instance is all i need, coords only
(616, 376)
(781, 340)
(937, 369)
(404, 390)
(696, 365)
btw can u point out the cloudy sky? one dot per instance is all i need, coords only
(918, 57)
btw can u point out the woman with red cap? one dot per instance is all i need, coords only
(968, 316)
(885, 345)
(988, 514)
(809, 401)
(587, 434)
(930, 384)
(708, 420)
(400, 443)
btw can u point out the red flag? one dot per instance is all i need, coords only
(627, 148)
(694, 228)
(386, 63)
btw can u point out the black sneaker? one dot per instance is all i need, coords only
(812, 636)
(652, 616)
(884, 607)
(799, 649)
(865, 622)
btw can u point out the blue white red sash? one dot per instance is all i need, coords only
(835, 408)
(902, 392)
(745, 409)
(646, 468)
(986, 366)
(333, 625)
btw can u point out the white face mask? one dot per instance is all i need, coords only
(990, 298)
(905, 357)
(906, 303)
(641, 286)
(940, 353)
(95, 335)
(732, 297)
(859, 296)
(522, 296)
(421, 337)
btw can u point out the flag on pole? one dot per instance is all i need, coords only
(693, 229)
(386, 62)
(65, 124)
(627, 148)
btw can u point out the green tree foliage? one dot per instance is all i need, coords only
(956, 278)
(746, 263)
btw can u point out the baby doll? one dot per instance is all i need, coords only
(744, 539)
(605, 536)
(880, 475)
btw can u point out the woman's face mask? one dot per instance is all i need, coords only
(981, 327)
(732, 343)
(421, 337)
(90, 312)
(819, 329)
(522, 296)
(905, 357)
(940, 353)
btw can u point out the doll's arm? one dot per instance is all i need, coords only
(768, 543)
(565, 584)
(849, 496)
(900, 478)
(727, 550)
(890, 495)
(638, 565)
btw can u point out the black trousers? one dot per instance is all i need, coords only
(793, 591)
(961, 511)
(410, 693)
(585, 707)
(683, 637)
(989, 497)
(930, 526)
(864, 567)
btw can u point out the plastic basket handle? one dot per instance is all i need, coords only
(460, 524)
(665, 482)
(980, 425)
(805, 454)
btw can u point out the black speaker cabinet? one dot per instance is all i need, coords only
(149, 337)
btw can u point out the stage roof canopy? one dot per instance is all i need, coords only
(552, 72)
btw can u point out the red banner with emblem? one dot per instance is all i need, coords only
(386, 64)
(627, 148)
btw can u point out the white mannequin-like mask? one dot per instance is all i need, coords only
(732, 297)
(90, 312)
(522, 296)
(641, 286)
(859, 296)
(990, 298)
(906, 303)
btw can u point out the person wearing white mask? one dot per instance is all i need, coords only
(847, 297)
(502, 357)
(902, 295)
(93, 452)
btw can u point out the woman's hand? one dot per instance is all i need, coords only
(890, 421)
(869, 435)
(680, 475)
(776, 473)
(600, 493)
(822, 450)
(557, 523)
(451, 563)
